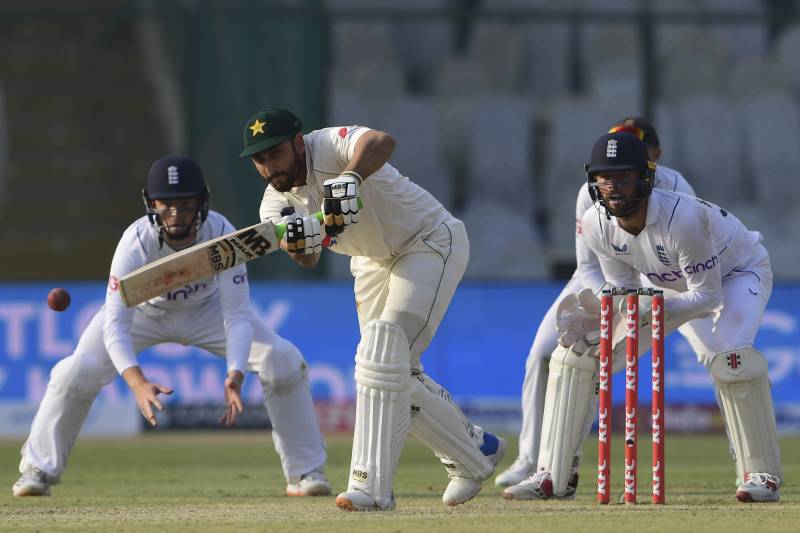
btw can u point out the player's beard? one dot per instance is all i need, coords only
(283, 181)
(624, 207)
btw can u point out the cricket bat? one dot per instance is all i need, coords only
(204, 260)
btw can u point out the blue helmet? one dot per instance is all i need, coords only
(618, 152)
(174, 177)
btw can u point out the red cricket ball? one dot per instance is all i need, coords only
(58, 299)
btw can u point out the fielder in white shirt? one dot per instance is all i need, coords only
(408, 255)
(715, 266)
(587, 274)
(213, 314)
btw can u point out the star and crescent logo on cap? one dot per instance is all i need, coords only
(258, 127)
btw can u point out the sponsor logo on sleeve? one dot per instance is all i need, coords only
(343, 132)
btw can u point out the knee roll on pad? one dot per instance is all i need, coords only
(282, 367)
(383, 376)
(442, 427)
(742, 378)
(570, 405)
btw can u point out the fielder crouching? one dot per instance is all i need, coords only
(713, 265)
(214, 315)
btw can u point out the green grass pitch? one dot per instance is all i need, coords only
(231, 481)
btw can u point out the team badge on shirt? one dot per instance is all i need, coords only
(661, 252)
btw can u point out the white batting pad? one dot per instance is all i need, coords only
(570, 405)
(383, 404)
(439, 423)
(743, 383)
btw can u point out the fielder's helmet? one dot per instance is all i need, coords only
(172, 177)
(618, 152)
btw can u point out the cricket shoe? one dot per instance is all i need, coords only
(759, 487)
(33, 482)
(313, 483)
(462, 489)
(358, 500)
(540, 487)
(518, 472)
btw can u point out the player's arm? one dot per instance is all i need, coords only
(238, 320)
(700, 266)
(371, 151)
(117, 326)
(588, 266)
(362, 151)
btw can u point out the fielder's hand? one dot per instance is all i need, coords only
(340, 202)
(233, 398)
(302, 235)
(576, 316)
(146, 393)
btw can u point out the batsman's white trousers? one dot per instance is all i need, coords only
(698, 334)
(414, 289)
(77, 380)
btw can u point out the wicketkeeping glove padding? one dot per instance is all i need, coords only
(302, 234)
(340, 202)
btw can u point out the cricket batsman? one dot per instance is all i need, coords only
(408, 255)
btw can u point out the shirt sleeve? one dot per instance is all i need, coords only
(683, 186)
(700, 266)
(129, 255)
(236, 313)
(588, 269)
(613, 270)
(344, 140)
(272, 204)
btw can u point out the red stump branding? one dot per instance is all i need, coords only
(604, 418)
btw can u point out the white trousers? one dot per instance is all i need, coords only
(414, 289)
(77, 380)
(698, 334)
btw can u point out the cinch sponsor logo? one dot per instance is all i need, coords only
(240, 278)
(675, 275)
(185, 291)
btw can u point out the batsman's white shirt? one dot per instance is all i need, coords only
(688, 245)
(139, 246)
(408, 252)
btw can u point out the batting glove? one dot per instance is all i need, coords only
(340, 202)
(302, 234)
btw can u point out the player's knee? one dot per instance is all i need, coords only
(383, 359)
(411, 323)
(739, 365)
(282, 366)
(74, 374)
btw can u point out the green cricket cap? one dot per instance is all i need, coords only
(268, 128)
